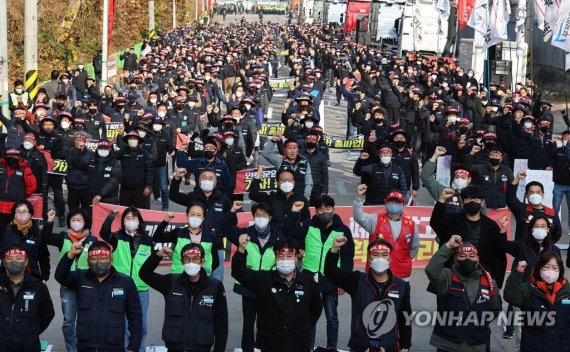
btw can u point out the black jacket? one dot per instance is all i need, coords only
(78, 165)
(286, 314)
(164, 146)
(492, 256)
(102, 308)
(24, 316)
(319, 170)
(35, 245)
(190, 321)
(560, 166)
(136, 168)
(104, 178)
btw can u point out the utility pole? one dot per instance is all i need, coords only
(173, 13)
(197, 7)
(151, 31)
(31, 47)
(105, 48)
(4, 56)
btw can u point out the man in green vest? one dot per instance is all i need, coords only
(260, 256)
(317, 237)
(131, 248)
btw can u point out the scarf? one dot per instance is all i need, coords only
(543, 287)
(263, 234)
(23, 228)
(76, 237)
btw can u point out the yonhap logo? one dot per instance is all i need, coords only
(379, 318)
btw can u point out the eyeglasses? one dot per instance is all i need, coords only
(22, 212)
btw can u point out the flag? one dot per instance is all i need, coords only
(443, 9)
(551, 8)
(539, 13)
(479, 16)
(561, 29)
(497, 24)
(111, 22)
(464, 10)
(520, 27)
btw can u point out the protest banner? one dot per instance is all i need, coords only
(339, 142)
(268, 129)
(420, 215)
(182, 138)
(55, 166)
(283, 82)
(443, 170)
(114, 129)
(245, 177)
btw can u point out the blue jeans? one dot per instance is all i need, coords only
(559, 192)
(161, 178)
(144, 297)
(69, 310)
(218, 273)
(330, 304)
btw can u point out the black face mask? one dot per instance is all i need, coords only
(400, 144)
(544, 130)
(12, 162)
(190, 86)
(121, 106)
(93, 111)
(15, 268)
(463, 130)
(378, 121)
(494, 162)
(489, 145)
(466, 266)
(228, 125)
(471, 208)
(100, 269)
(209, 154)
(60, 105)
(311, 145)
(179, 106)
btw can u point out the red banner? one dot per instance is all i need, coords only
(464, 9)
(420, 215)
(245, 177)
(37, 201)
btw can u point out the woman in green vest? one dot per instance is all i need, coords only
(78, 225)
(195, 231)
(263, 235)
(131, 248)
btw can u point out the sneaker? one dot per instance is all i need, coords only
(158, 201)
(509, 334)
(337, 103)
(61, 220)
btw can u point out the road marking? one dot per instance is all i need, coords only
(341, 188)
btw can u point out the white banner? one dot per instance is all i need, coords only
(442, 7)
(497, 24)
(520, 27)
(551, 8)
(561, 33)
(417, 23)
(479, 16)
(539, 13)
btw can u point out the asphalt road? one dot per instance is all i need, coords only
(342, 188)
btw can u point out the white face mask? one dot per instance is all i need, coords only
(195, 221)
(19, 91)
(285, 267)
(261, 223)
(76, 225)
(142, 134)
(192, 104)
(309, 124)
(207, 185)
(131, 225)
(133, 143)
(386, 159)
(103, 152)
(65, 81)
(452, 118)
(549, 276)
(528, 124)
(287, 187)
(28, 145)
(153, 101)
(539, 233)
(229, 141)
(494, 109)
(157, 127)
(161, 114)
(379, 265)
(535, 199)
(239, 94)
(460, 183)
(192, 269)
(65, 125)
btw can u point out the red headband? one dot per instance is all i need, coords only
(462, 172)
(291, 142)
(385, 149)
(192, 251)
(16, 252)
(103, 252)
(379, 247)
(286, 250)
(467, 249)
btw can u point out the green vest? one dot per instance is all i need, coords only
(178, 267)
(125, 264)
(316, 250)
(79, 262)
(255, 261)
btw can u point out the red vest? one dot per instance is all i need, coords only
(401, 262)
